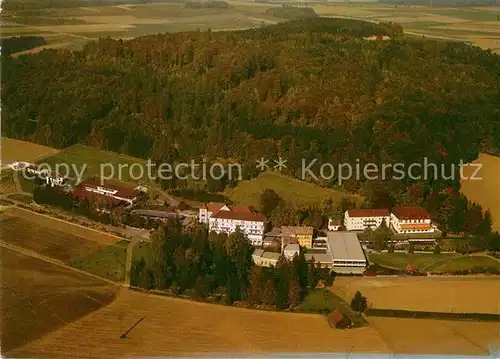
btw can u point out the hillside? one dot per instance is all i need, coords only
(306, 89)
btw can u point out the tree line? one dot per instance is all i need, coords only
(201, 264)
(15, 44)
(304, 90)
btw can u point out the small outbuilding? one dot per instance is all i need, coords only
(338, 320)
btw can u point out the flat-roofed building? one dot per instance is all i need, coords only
(347, 253)
(319, 242)
(322, 259)
(158, 215)
(291, 250)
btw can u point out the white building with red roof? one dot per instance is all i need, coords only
(111, 194)
(411, 219)
(222, 218)
(361, 219)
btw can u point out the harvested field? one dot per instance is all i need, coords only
(433, 294)
(123, 20)
(492, 27)
(50, 237)
(15, 150)
(439, 337)
(485, 191)
(173, 326)
(39, 297)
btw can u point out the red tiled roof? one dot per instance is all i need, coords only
(213, 206)
(334, 222)
(240, 216)
(236, 208)
(368, 212)
(411, 212)
(336, 317)
(120, 191)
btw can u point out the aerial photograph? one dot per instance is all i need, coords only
(250, 178)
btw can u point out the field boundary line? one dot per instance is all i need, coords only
(53, 261)
(73, 224)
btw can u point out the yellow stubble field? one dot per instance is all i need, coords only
(16, 150)
(434, 294)
(176, 326)
(485, 190)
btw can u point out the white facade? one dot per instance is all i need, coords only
(265, 259)
(109, 193)
(334, 227)
(254, 230)
(206, 212)
(355, 222)
(407, 226)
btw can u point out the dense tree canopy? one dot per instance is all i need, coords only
(14, 44)
(302, 89)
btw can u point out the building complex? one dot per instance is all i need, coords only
(109, 193)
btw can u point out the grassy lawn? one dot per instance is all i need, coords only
(321, 300)
(6, 177)
(467, 263)
(142, 249)
(290, 189)
(79, 156)
(108, 262)
(423, 261)
(24, 198)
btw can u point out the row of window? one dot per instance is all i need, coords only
(415, 221)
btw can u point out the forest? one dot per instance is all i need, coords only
(304, 89)
(208, 264)
(14, 44)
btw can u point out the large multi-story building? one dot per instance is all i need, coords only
(411, 219)
(207, 209)
(361, 219)
(302, 236)
(222, 218)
